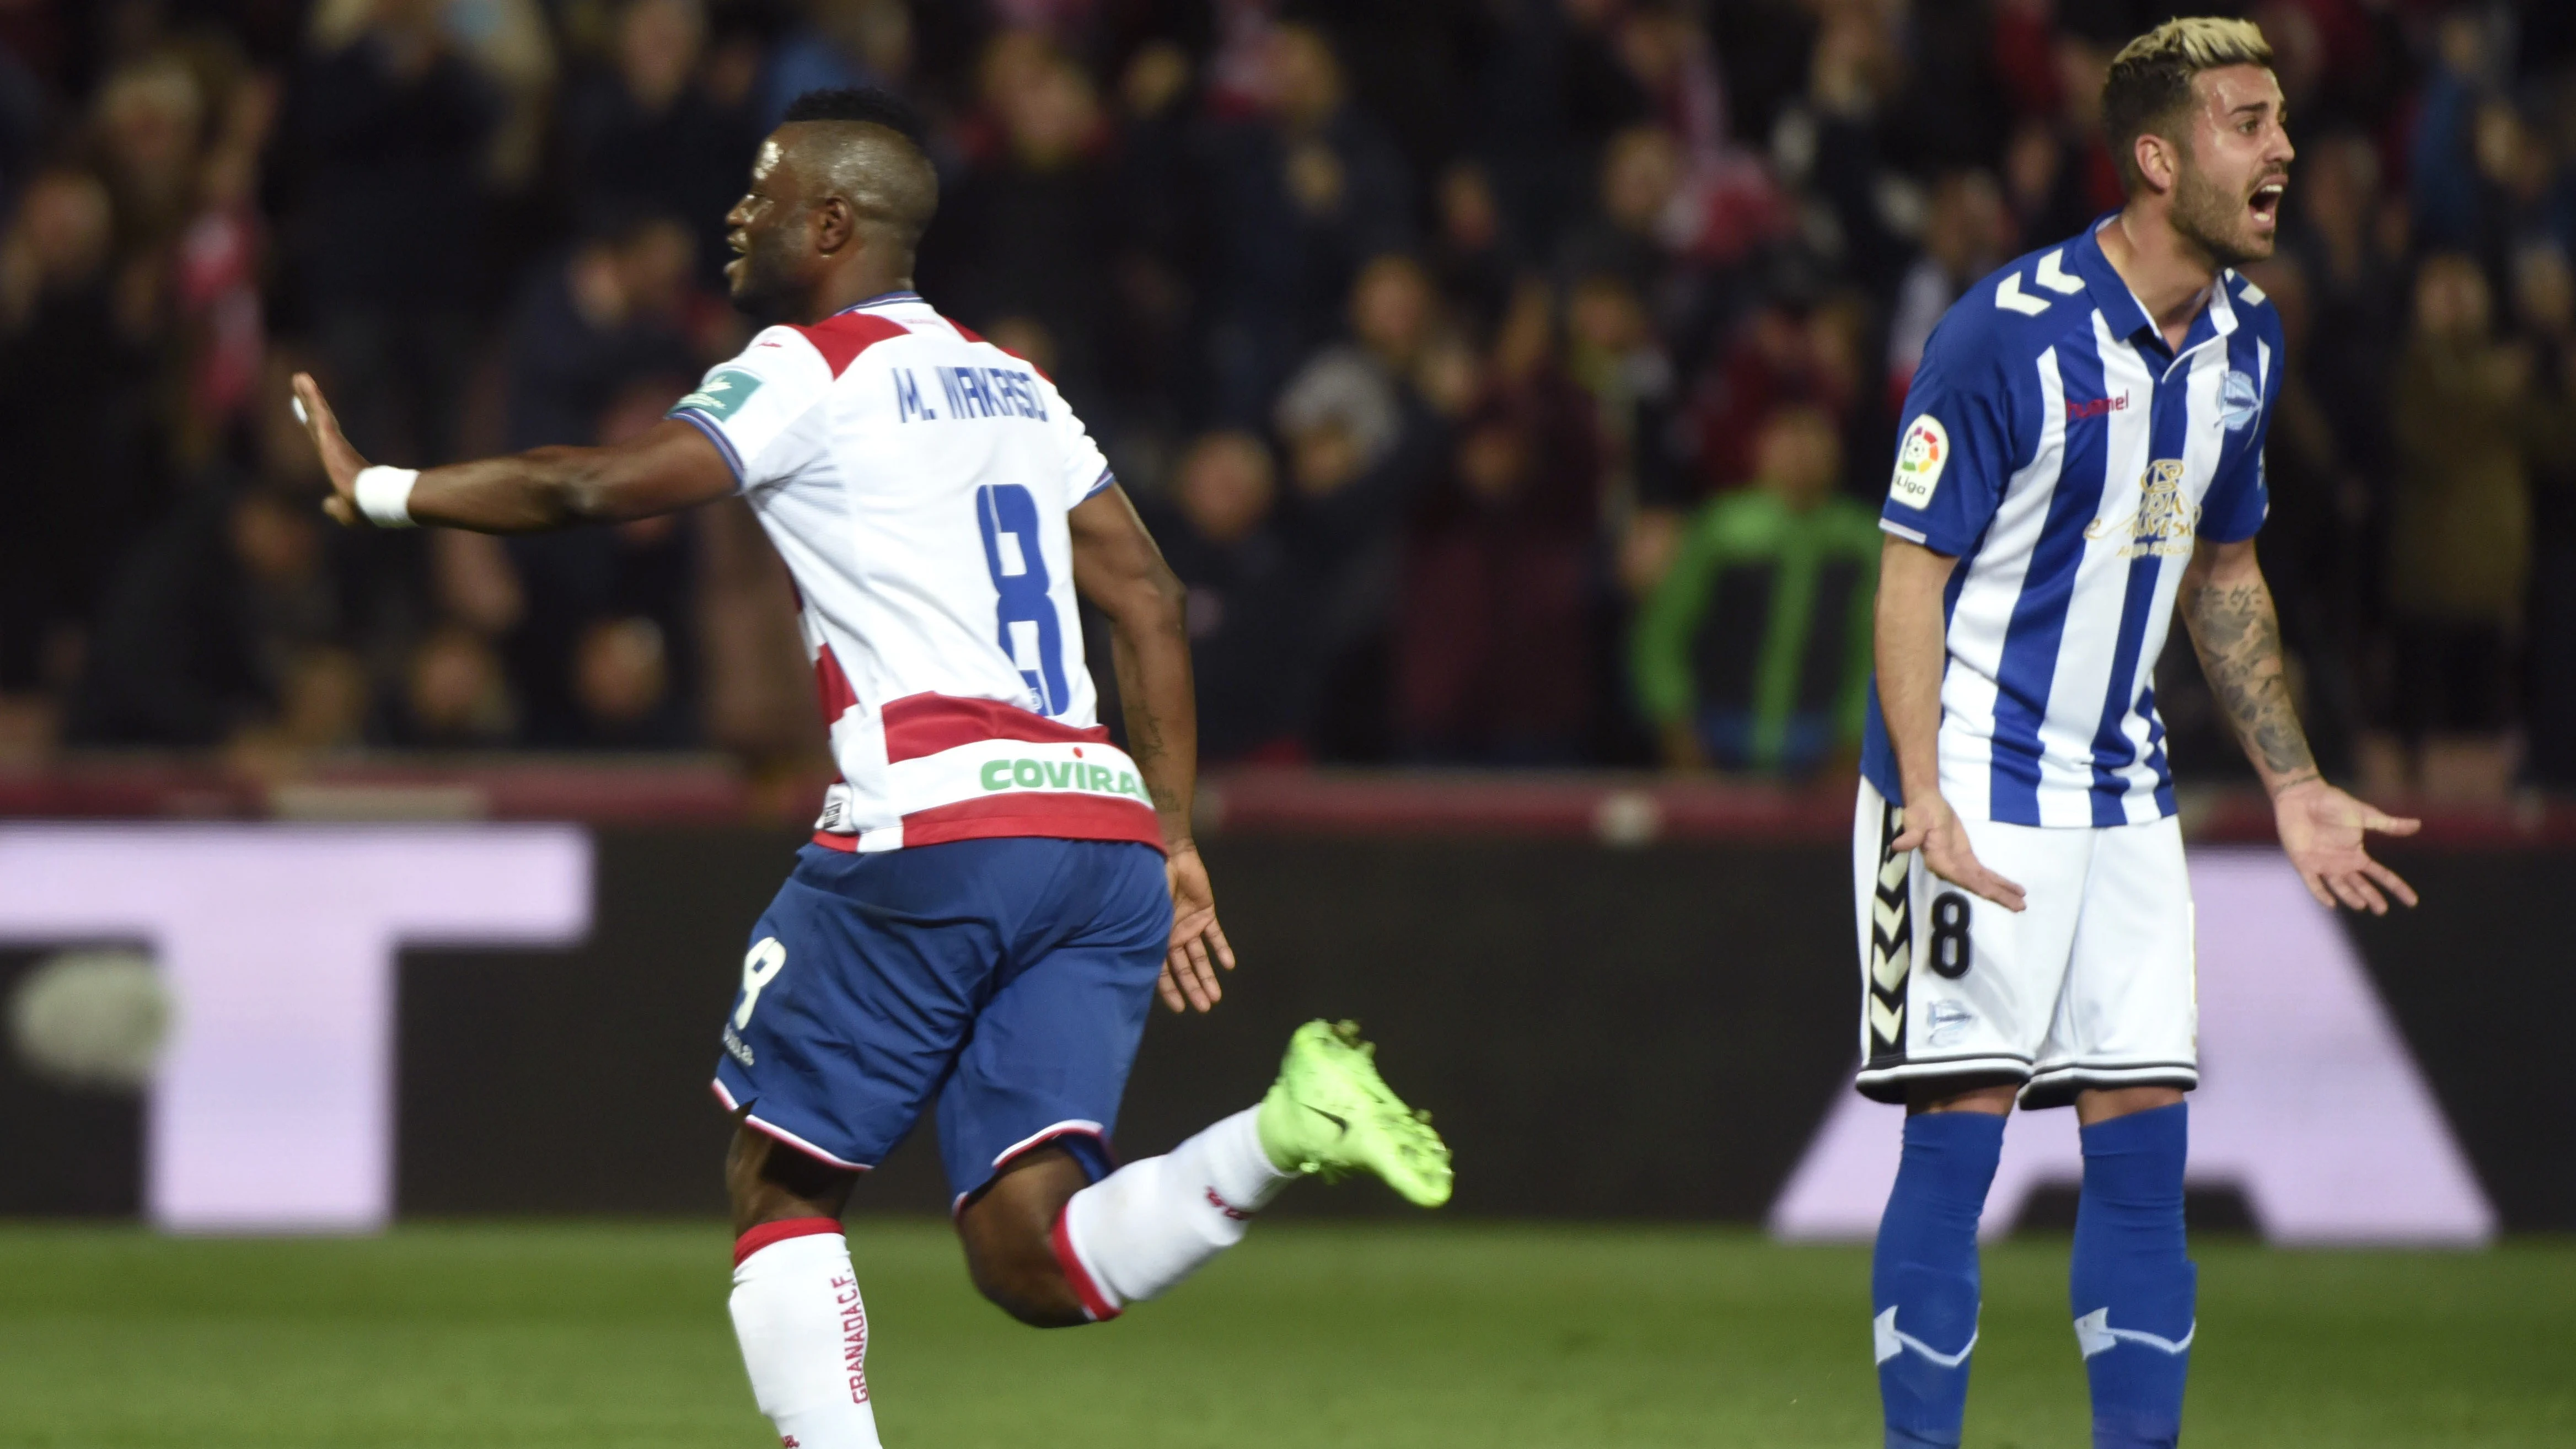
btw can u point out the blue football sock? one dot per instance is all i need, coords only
(1923, 1279)
(2132, 1288)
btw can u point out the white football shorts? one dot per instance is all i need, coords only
(2091, 986)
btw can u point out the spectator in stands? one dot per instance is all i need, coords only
(1028, 230)
(1640, 224)
(2459, 533)
(622, 683)
(1838, 141)
(149, 120)
(1361, 442)
(1250, 604)
(1151, 372)
(2544, 298)
(643, 137)
(1797, 349)
(2339, 234)
(835, 43)
(1553, 88)
(1613, 354)
(1297, 198)
(84, 466)
(1171, 207)
(2057, 172)
(1472, 256)
(392, 128)
(2442, 148)
(1493, 655)
(218, 273)
(453, 695)
(1754, 652)
(224, 622)
(613, 313)
(580, 681)
(1966, 233)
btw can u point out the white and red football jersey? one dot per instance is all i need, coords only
(916, 479)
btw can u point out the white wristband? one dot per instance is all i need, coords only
(384, 495)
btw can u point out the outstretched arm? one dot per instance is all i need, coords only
(2228, 609)
(1117, 567)
(668, 467)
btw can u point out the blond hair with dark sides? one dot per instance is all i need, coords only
(2148, 90)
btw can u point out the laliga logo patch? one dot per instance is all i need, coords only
(722, 395)
(1919, 461)
(2238, 400)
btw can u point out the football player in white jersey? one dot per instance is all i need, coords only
(995, 891)
(2082, 457)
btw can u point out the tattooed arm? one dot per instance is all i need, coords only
(1117, 568)
(2228, 609)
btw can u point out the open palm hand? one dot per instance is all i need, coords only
(2322, 831)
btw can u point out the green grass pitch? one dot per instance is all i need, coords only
(1424, 1336)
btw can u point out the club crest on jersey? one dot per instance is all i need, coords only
(721, 395)
(2165, 520)
(2238, 400)
(1919, 461)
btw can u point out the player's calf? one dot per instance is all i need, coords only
(2132, 1286)
(1008, 1231)
(1925, 1292)
(795, 1304)
(1147, 1226)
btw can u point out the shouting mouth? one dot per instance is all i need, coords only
(2265, 204)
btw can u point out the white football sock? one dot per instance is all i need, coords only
(1150, 1224)
(804, 1333)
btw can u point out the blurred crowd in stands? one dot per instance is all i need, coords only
(1512, 382)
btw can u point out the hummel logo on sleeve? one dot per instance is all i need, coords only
(2008, 294)
(2053, 274)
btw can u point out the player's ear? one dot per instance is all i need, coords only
(835, 222)
(2158, 162)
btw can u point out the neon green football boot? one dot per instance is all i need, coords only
(1331, 1114)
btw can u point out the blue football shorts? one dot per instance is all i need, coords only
(1009, 978)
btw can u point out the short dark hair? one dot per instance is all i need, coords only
(870, 104)
(2149, 85)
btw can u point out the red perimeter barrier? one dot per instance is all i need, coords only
(1613, 808)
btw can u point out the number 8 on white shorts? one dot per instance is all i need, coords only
(2091, 986)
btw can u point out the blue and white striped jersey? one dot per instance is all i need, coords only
(2069, 458)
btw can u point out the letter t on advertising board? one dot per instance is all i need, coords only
(273, 1107)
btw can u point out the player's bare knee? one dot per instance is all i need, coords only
(1992, 1097)
(767, 1183)
(2101, 1104)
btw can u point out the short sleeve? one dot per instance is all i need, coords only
(1957, 446)
(2239, 498)
(749, 406)
(1086, 468)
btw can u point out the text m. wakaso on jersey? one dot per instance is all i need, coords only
(916, 480)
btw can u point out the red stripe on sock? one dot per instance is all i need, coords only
(778, 1232)
(1094, 1302)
